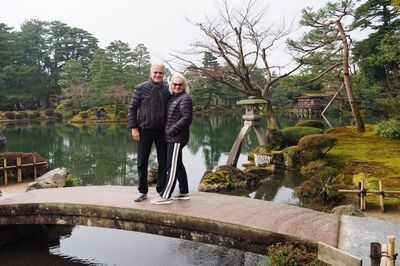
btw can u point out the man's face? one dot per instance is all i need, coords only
(157, 74)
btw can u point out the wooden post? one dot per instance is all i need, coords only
(375, 254)
(34, 167)
(364, 186)
(359, 187)
(391, 247)
(5, 171)
(384, 255)
(381, 196)
(362, 195)
(19, 170)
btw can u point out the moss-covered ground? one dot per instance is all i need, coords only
(365, 155)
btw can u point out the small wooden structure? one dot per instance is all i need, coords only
(18, 167)
(362, 193)
(310, 105)
(252, 119)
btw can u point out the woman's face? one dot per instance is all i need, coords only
(178, 85)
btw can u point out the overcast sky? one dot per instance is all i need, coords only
(158, 24)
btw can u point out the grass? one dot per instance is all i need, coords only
(368, 156)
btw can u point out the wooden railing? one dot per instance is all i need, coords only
(19, 167)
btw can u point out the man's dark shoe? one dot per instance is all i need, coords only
(141, 197)
(181, 196)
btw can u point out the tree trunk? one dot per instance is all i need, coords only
(272, 120)
(346, 79)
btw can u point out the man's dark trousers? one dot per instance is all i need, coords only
(147, 137)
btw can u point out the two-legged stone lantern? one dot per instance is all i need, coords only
(252, 119)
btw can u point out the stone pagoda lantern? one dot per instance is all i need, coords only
(252, 119)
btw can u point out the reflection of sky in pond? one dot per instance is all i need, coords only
(285, 195)
(117, 247)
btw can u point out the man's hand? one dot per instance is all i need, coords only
(135, 134)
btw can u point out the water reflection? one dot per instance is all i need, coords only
(121, 248)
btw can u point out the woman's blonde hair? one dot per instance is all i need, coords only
(184, 81)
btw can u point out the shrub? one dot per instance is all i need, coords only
(292, 254)
(49, 112)
(292, 135)
(388, 129)
(313, 146)
(72, 181)
(310, 123)
(9, 115)
(84, 114)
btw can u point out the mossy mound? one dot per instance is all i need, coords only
(292, 135)
(292, 157)
(225, 178)
(315, 146)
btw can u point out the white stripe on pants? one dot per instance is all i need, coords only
(172, 173)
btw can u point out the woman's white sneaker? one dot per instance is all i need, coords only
(161, 200)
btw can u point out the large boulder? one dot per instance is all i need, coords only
(52, 179)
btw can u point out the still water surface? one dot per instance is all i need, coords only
(105, 155)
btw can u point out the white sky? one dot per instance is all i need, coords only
(158, 24)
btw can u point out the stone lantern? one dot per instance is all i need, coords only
(252, 119)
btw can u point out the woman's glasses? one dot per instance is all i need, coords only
(177, 84)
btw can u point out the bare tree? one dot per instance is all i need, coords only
(329, 41)
(244, 41)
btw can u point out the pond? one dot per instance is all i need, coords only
(104, 154)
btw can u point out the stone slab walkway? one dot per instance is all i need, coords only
(356, 234)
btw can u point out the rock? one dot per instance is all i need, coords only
(262, 160)
(52, 179)
(347, 210)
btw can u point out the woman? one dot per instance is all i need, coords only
(179, 118)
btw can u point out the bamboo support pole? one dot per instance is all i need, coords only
(19, 169)
(391, 247)
(5, 171)
(381, 196)
(384, 255)
(369, 191)
(362, 195)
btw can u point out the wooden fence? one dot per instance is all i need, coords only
(362, 193)
(19, 167)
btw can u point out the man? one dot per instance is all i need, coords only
(150, 98)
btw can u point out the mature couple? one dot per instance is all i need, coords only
(161, 114)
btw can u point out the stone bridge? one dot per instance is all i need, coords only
(230, 221)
